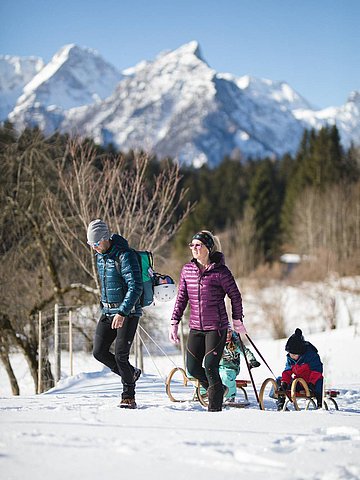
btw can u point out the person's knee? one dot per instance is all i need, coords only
(121, 357)
(192, 370)
(98, 353)
(195, 369)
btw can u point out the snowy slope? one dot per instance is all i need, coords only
(77, 431)
(75, 76)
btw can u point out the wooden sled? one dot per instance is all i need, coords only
(299, 395)
(181, 388)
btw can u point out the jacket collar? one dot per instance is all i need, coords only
(217, 258)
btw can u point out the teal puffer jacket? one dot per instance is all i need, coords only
(120, 279)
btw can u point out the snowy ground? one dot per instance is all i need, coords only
(77, 431)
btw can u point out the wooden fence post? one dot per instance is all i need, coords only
(57, 347)
(71, 345)
(39, 384)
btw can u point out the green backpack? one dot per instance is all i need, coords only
(146, 262)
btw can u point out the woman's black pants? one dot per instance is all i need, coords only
(118, 363)
(203, 355)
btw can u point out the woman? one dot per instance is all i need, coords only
(204, 282)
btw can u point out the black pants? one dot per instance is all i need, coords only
(118, 363)
(206, 348)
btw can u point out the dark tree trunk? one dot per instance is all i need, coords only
(4, 357)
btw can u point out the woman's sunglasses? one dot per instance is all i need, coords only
(196, 245)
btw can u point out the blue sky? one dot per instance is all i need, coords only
(314, 45)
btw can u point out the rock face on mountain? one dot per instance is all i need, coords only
(174, 106)
(15, 73)
(73, 78)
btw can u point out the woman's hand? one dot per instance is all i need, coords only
(239, 327)
(173, 333)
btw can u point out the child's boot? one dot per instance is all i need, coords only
(318, 400)
(280, 402)
(254, 363)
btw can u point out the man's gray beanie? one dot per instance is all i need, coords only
(97, 230)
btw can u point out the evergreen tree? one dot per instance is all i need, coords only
(351, 168)
(319, 163)
(264, 201)
(324, 165)
(286, 167)
(229, 193)
(7, 134)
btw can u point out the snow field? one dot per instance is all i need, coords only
(76, 429)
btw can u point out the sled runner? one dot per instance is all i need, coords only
(181, 388)
(299, 396)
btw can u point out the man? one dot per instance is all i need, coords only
(121, 289)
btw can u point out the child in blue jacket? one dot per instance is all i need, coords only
(302, 360)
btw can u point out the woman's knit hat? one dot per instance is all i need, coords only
(206, 239)
(296, 343)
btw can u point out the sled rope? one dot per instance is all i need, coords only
(262, 358)
(249, 370)
(158, 346)
(147, 350)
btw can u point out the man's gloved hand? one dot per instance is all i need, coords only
(239, 327)
(173, 333)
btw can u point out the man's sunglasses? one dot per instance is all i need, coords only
(94, 244)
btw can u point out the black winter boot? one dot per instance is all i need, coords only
(280, 402)
(128, 403)
(137, 373)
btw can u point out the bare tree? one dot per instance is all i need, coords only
(50, 192)
(119, 194)
(329, 221)
(240, 246)
(274, 314)
(27, 245)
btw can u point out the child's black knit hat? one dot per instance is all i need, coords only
(296, 343)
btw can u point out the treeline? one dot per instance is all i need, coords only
(308, 203)
(259, 207)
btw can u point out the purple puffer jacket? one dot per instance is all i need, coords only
(205, 291)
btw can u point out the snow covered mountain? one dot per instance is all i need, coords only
(178, 106)
(175, 105)
(346, 117)
(74, 77)
(15, 73)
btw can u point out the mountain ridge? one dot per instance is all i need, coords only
(175, 105)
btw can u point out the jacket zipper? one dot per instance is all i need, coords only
(104, 280)
(199, 299)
